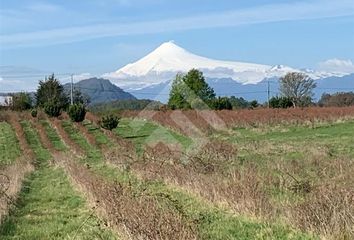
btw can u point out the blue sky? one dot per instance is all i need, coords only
(99, 36)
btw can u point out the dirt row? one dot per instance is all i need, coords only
(133, 216)
(12, 176)
(56, 124)
(136, 214)
(244, 189)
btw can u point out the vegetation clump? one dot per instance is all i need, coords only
(340, 99)
(109, 122)
(222, 103)
(34, 113)
(77, 112)
(52, 108)
(280, 102)
(20, 101)
(51, 97)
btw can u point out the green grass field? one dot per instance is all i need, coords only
(9, 146)
(53, 136)
(293, 175)
(142, 133)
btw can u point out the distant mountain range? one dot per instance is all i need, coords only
(100, 90)
(151, 76)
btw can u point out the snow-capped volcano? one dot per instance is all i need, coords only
(168, 59)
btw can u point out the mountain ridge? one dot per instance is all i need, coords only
(100, 90)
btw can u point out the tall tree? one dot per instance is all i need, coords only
(51, 91)
(190, 91)
(195, 81)
(177, 99)
(298, 87)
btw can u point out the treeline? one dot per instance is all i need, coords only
(339, 99)
(191, 91)
(188, 91)
(52, 99)
(50, 96)
(342, 99)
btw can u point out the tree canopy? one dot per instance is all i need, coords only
(191, 91)
(298, 87)
(51, 91)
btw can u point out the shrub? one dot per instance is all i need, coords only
(340, 99)
(280, 102)
(77, 112)
(109, 122)
(239, 103)
(222, 103)
(215, 156)
(21, 101)
(254, 104)
(52, 109)
(50, 90)
(34, 113)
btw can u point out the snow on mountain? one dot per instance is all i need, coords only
(161, 66)
(168, 59)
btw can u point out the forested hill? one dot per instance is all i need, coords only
(100, 90)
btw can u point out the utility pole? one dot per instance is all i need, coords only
(71, 90)
(268, 92)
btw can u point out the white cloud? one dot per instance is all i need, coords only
(17, 81)
(66, 78)
(22, 78)
(82, 76)
(336, 65)
(314, 9)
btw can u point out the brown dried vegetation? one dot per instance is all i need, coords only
(205, 173)
(324, 187)
(317, 193)
(12, 176)
(221, 120)
(138, 214)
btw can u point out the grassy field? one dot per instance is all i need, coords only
(210, 222)
(301, 174)
(142, 132)
(48, 207)
(9, 146)
(279, 181)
